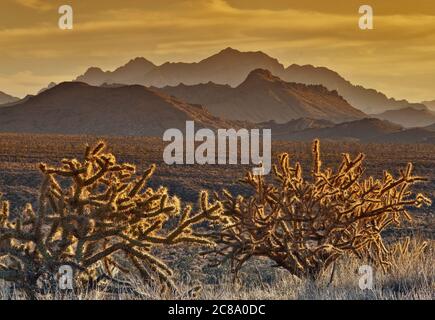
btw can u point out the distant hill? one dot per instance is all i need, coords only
(231, 67)
(360, 130)
(409, 117)
(264, 97)
(430, 104)
(368, 130)
(6, 98)
(413, 135)
(296, 125)
(78, 108)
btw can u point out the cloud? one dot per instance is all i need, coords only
(348, 7)
(36, 4)
(314, 32)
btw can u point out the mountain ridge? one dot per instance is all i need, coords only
(134, 110)
(231, 66)
(365, 99)
(362, 130)
(79, 108)
(263, 97)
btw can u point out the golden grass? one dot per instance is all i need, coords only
(413, 279)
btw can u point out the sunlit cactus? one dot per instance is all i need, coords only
(96, 216)
(304, 225)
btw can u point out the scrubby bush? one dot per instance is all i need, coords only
(305, 225)
(97, 217)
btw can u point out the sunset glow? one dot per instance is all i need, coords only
(397, 57)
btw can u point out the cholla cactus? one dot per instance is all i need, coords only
(305, 225)
(104, 217)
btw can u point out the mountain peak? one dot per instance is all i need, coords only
(262, 96)
(62, 87)
(259, 76)
(93, 71)
(137, 63)
(257, 58)
(262, 73)
(229, 50)
(139, 59)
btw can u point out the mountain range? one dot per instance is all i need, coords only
(134, 110)
(78, 108)
(231, 67)
(263, 97)
(229, 89)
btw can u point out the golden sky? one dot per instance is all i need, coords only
(397, 57)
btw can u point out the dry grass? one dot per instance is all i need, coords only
(411, 280)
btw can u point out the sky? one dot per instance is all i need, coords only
(397, 57)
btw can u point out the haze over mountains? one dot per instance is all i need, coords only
(6, 98)
(429, 104)
(264, 97)
(226, 67)
(367, 100)
(409, 117)
(78, 108)
(229, 89)
(282, 131)
(359, 130)
(364, 130)
(231, 67)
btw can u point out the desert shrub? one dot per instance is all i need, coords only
(304, 225)
(98, 217)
